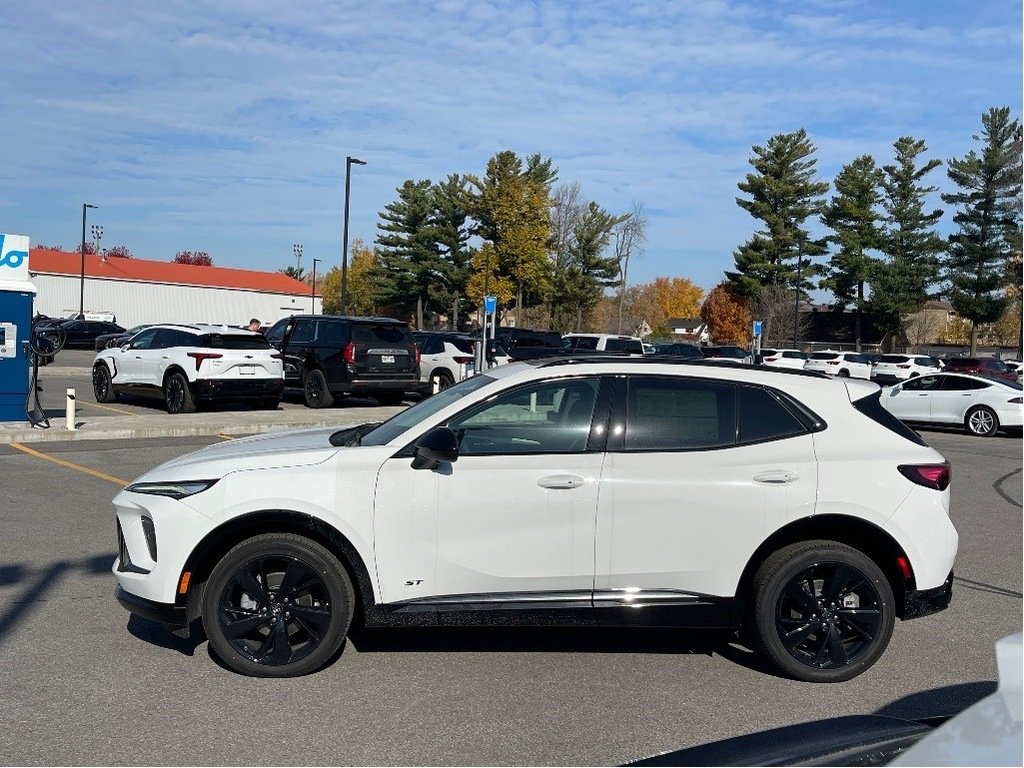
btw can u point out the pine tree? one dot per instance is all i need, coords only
(451, 228)
(989, 221)
(783, 194)
(852, 216)
(901, 282)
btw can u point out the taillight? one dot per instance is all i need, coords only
(277, 356)
(418, 355)
(832, 362)
(903, 366)
(349, 353)
(1016, 400)
(462, 360)
(200, 356)
(929, 475)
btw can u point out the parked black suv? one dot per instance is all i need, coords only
(331, 356)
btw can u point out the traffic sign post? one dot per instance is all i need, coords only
(756, 350)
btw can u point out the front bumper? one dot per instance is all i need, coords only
(171, 616)
(927, 601)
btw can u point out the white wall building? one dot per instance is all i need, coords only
(139, 291)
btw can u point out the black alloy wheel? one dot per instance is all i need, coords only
(277, 605)
(102, 387)
(178, 395)
(443, 379)
(315, 390)
(824, 612)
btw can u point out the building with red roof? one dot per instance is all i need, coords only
(141, 291)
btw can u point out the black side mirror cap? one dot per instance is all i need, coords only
(438, 446)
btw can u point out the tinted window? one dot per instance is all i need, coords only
(961, 384)
(923, 384)
(380, 334)
(144, 340)
(276, 333)
(583, 342)
(542, 417)
(824, 356)
(624, 345)
(332, 333)
(467, 346)
(871, 406)
(234, 341)
(431, 346)
(795, 355)
(963, 362)
(304, 329)
(893, 359)
(763, 417)
(769, 352)
(678, 414)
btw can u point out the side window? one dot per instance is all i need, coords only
(542, 417)
(961, 384)
(923, 384)
(432, 346)
(303, 332)
(585, 343)
(672, 414)
(332, 333)
(763, 417)
(145, 339)
(276, 333)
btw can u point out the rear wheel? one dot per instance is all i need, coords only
(982, 421)
(823, 611)
(102, 387)
(277, 605)
(178, 395)
(315, 390)
(844, 374)
(440, 380)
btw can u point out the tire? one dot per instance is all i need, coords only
(844, 374)
(261, 630)
(102, 386)
(833, 634)
(315, 391)
(982, 421)
(177, 394)
(444, 380)
(390, 398)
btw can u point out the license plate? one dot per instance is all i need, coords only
(387, 358)
(247, 370)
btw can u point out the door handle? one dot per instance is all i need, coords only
(560, 482)
(776, 477)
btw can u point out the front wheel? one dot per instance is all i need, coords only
(102, 387)
(982, 421)
(277, 605)
(823, 611)
(178, 395)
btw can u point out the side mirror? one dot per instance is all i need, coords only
(438, 446)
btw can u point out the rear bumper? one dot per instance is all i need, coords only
(226, 389)
(924, 602)
(408, 382)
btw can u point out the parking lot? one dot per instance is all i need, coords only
(86, 684)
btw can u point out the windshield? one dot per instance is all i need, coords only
(424, 409)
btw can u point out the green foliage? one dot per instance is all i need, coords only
(450, 222)
(783, 195)
(988, 220)
(900, 283)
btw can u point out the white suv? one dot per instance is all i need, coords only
(597, 490)
(186, 364)
(842, 364)
(889, 369)
(445, 358)
(603, 342)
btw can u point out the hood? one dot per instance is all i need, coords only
(282, 449)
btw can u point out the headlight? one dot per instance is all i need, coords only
(175, 490)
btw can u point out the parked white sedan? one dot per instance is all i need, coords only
(982, 405)
(844, 364)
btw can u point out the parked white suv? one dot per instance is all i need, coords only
(843, 364)
(445, 358)
(889, 369)
(187, 364)
(784, 358)
(611, 491)
(603, 342)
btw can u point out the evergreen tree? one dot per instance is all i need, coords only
(852, 216)
(450, 220)
(989, 221)
(783, 194)
(410, 261)
(901, 282)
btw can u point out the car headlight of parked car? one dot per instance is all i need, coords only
(174, 490)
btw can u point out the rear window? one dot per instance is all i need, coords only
(383, 333)
(893, 359)
(824, 356)
(467, 346)
(795, 355)
(871, 406)
(234, 341)
(963, 362)
(623, 345)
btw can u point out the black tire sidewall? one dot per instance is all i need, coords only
(333, 573)
(102, 371)
(187, 403)
(326, 399)
(772, 578)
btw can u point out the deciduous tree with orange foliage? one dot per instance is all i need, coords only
(675, 297)
(729, 321)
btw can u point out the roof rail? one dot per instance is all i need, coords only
(600, 357)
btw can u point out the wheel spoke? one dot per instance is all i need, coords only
(797, 591)
(290, 584)
(236, 629)
(792, 639)
(819, 657)
(836, 649)
(282, 650)
(314, 615)
(838, 582)
(251, 586)
(863, 621)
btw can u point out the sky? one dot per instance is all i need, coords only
(223, 125)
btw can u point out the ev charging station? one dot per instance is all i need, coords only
(16, 296)
(486, 332)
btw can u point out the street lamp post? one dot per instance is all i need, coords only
(297, 250)
(349, 162)
(312, 291)
(81, 287)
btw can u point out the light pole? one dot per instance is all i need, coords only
(81, 287)
(312, 291)
(796, 302)
(97, 235)
(297, 250)
(349, 162)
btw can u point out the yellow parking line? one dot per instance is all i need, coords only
(223, 436)
(70, 465)
(108, 408)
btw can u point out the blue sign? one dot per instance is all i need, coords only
(757, 327)
(490, 304)
(12, 258)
